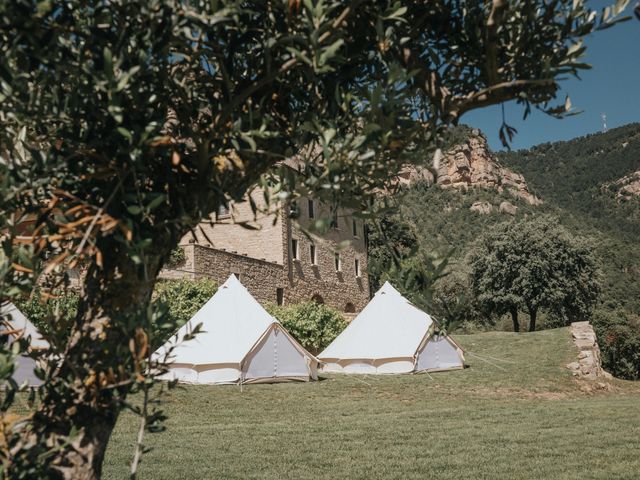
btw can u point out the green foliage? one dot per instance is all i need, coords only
(619, 339)
(389, 241)
(51, 315)
(314, 325)
(454, 304)
(183, 298)
(575, 180)
(535, 265)
(578, 178)
(177, 257)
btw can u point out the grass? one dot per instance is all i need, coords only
(520, 417)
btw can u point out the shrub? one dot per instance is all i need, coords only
(315, 326)
(454, 306)
(181, 299)
(619, 338)
(53, 315)
(184, 297)
(177, 257)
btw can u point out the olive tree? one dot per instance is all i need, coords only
(535, 265)
(125, 123)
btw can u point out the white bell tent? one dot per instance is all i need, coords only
(239, 342)
(14, 326)
(391, 335)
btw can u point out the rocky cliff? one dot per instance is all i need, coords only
(471, 164)
(627, 187)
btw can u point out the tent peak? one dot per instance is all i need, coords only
(232, 280)
(387, 288)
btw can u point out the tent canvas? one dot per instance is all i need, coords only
(391, 335)
(17, 325)
(239, 342)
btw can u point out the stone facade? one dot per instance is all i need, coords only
(342, 288)
(262, 278)
(228, 230)
(282, 260)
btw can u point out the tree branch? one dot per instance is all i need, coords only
(495, 94)
(288, 65)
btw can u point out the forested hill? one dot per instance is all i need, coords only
(580, 176)
(580, 181)
(576, 181)
(588, 185)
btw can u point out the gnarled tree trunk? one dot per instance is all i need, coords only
(86, 391)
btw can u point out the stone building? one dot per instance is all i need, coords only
(276, 260)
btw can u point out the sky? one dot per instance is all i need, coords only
(611, 87)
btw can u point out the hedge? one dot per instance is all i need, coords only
(315, 326)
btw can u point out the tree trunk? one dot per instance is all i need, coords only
(86, 391)
(514, 317)
(533, 313)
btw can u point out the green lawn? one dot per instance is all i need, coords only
(524, 419)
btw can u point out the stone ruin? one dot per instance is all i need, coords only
(589, 364)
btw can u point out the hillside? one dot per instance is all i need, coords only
(588, 184)
(515, 408)
(576, 182)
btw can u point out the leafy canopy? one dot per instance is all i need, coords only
(533, 265)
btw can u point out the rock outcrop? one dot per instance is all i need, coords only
(627, 187)
(589, 364)
(483, 208)
(471, 164)
(508, 207)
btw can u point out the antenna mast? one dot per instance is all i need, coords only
(603, 116)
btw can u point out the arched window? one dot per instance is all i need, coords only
(349, 308)
(318, 299)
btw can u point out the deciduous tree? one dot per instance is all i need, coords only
(535, 265)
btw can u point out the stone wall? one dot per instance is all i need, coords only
(262, 278)
(589, 364)
(340, 290)
(262, 241)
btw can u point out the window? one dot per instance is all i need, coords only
(312, 254)
(357, 265)
(294, 249)
(334, 220)
(355, 228)
(294, 210)
(237, 275)
(222, 212)
(280, 296)
(338, 263)
(312, 212)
